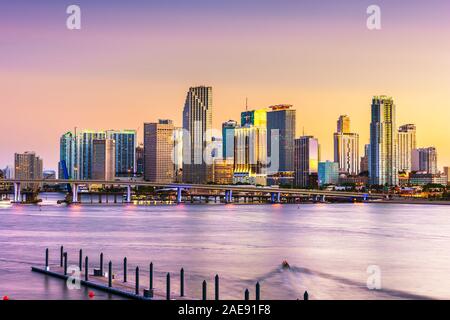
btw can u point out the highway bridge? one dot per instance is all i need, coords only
(226, 190)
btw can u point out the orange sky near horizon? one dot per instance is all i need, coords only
(53, 80)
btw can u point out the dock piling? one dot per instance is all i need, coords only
(65, 263)
(137, 281)
(151, 276)
(46, 259)
(125, 269)
(168, 286)
(101, 264)
(182, 282)
(306, 296)
(110, 274)
(61, 256)
(80, 260)
(216, 287)
(86, 269)
(204, 290)
(246, 295)
(257, 292)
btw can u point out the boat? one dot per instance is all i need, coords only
(285, 265)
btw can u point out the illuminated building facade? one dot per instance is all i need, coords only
(406, 145)
(346, 147)
(306, 161)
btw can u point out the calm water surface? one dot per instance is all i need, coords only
(329, 247)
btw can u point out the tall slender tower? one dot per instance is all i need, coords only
(383, 168)
(197, 135)
(346, 147)
(406, 144)
(306, 161)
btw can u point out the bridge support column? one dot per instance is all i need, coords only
(75, 193)
(17, 192)
(275, 197)
(323, 198)
(228, 196)
(128, 194)
(179, 195)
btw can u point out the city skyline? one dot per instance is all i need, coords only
(114, 80)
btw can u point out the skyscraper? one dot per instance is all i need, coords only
(28, 166)
(140, 159)
(197, 125)
(446, 173)
(425, 160)
(228, 138)
(125, 141)
(306, 161)
(346, 147)
(281, 122)
(250, 154)
(158, 151)
(364, 167)
(383, 168)
(84, 153)
(178, 154)
(256, 118)
(67, 156)
(103, 159)
(406, 144)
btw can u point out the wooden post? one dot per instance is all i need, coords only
(61, 256)
(168, 286)
(182, 282)
(101, 263)
(216, 287)
(125, 269)
(306, 296)
(246, 295)
(204, 290)
(110, 274)
(65, 263)
(137, 281)
(80, 260)
(46, 258)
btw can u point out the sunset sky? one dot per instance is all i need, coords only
(133, 61)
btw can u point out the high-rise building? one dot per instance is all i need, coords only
(281, 127)
(364, 166)
(158, 151)
(257, 118)
(223, 171)
(125, 141)
(197, 125)
(328, 173)
(67, 156)
(250, 155)
(103, 159)
(346, 147)
(406, 144)
(446, 173)
(140, 159)
(228, 138)
(28, 166)
(383, 168)
(425, 160)
(306, 161)
(8, 172)
(178, 154)
(84, 152)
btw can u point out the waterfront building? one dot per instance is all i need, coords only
(125, 142)
(228, 138)
(281, 128)
(358, 181)
(364, 166)
(383, 168)
(67, 156)
(406, 144)
(28, 166)
(346, 147)
(306, 161)
(446, 173)
(103, 159)
(421, 179)
(140, 159)
(250, 155)
(328, 173)
(158, 151)
(425, 160)
(84, 153)
(197, 125)
(178, 154)
(223, 171)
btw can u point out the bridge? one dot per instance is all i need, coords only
(225, 190)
